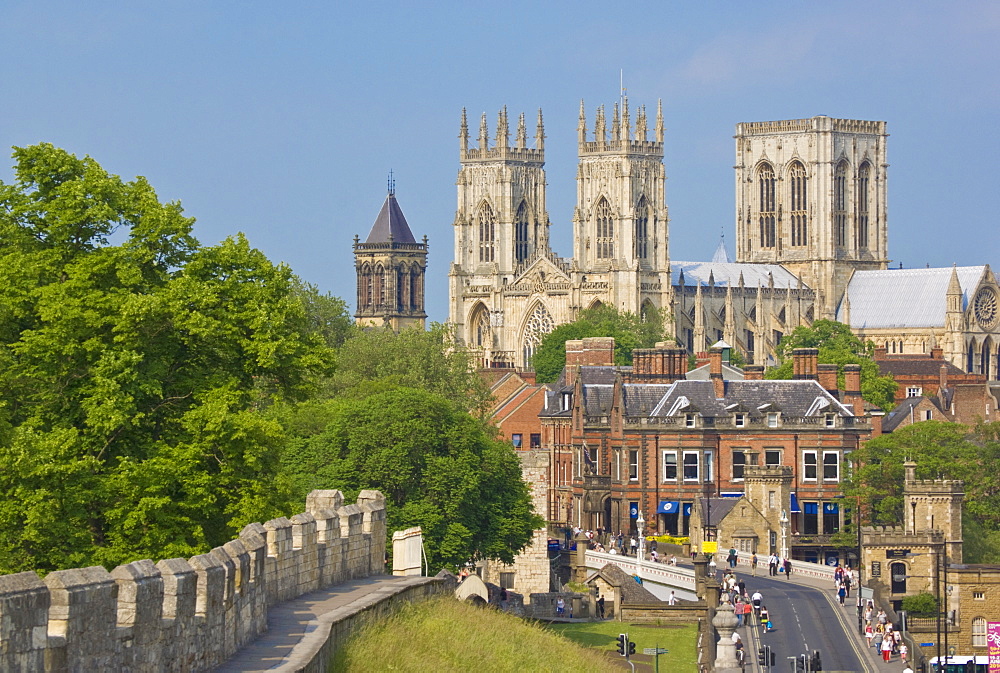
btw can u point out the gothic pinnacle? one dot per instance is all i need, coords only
(503, 130)
(463, 133)
(659, 120)
(540, 132)
(522, 134)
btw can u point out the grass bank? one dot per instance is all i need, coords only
(447, 635)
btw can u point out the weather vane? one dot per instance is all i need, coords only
(391, 183)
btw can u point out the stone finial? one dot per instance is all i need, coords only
(484, 134)
(725, 623)
(521, 137)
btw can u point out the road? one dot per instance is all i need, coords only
(804, 619)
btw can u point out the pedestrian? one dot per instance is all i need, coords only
(731, 559)
(772, 565)
(738, 611)
(600, 606)
(673, 560)
(634, 544)
(886, 648)
(560, 607)
(841, 594)
(673, 599)
(877, 640)
(765, 619)
(788, 567)
(753, 564)
(747, 612)
(903, 651)
(757, 600)
(869, 634)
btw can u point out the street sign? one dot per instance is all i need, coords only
(896, 553)
(654, 650)
(926, 644)
(876, 569)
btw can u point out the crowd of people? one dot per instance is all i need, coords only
(620, 543)
(881, 635)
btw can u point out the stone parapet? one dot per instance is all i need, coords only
(186, 615)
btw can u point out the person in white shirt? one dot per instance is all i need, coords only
(672, 600)
(772, 565)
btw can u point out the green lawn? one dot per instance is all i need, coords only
(680, 640)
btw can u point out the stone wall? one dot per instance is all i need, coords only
(187, 615)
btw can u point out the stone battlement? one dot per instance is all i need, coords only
(882, 536)
(187, 615)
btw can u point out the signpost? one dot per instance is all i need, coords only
(656, 652)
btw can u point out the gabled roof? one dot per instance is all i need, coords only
(715, 509)
(390, 225)
(906, 409)
(721, 255)
(791, 398)
(904, 297)
(728, 273)
(629, 590)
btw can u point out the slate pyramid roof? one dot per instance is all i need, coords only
(390, 225)
(721, 255)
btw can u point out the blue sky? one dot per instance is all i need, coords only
(282, 120)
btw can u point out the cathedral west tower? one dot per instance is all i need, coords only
(811, 195)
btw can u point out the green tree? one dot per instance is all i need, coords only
(629, 331)
(132, 372)
(439, 468)
(413, 358)
(837, 345)
(940, 450)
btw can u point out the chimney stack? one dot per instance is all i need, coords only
(828, 377)
(942, 378)
(937, 354)
(753, 372)
(715, 372)
(852, 388)
(574, 354)
(805, 363)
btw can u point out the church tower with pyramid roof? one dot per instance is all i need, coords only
(390, 266)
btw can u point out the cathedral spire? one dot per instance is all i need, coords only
(503, 130)
(659, 121)
(484, 134)
(626, 131)
(540, 132)
(581, 128)
(463, 134)
(641, 130)
(522, 134)
(615, 127)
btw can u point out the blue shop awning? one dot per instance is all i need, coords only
(687, 509)
(795, 509)
(669, 507)
(811, 507)
(731, 494)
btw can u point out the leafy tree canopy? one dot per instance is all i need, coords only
(837, 345)
(439, 468)
(413, 358)
(628, 329)
(940, 450)
(131, 373)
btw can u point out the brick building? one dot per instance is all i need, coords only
(643, 438)
(921, 374)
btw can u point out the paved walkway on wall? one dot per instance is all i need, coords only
(297, 627)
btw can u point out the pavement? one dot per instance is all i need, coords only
(297, 628)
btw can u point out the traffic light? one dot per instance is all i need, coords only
(817, 665)
(800, 663)
(623, 644)
(770, 655)
(761, 657)
(631, 648)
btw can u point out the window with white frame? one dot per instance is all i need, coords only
(831, 420)
(691, 465)
(928, 414)
(831, 466)
(772, 456)
(772, 419)
(739, 465)
(914, 391)
(669, 466)
(689, 420)
(979, 632)
(633, 465)
(709, 464)
(618, 465)
(740, 420)
(809, 472)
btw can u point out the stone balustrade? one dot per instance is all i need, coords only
(187, 615)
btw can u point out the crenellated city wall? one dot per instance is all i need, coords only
(187, 615)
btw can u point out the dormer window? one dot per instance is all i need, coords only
(690, 420)
(567, 399)
(740, 420)
(831, 420)
(772, 419)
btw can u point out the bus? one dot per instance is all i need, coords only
(961, 663)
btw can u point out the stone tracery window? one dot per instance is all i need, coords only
(766, 203)
(642, 229)
(378, 294)
(365, 287)
(605, 230)
(539, 324)
(799, 204)
(522, 247)
(840, 204)
(487, 233)
(863, 203)
(482, 334)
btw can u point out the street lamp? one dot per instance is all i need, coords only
(941, 603)
(783, 520)
(640, 523)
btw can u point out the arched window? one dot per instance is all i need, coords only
(402, 292)
(415, 289)
(482, 335)
(979, 632)
(864, 205)
(642, 229)
(365, 287)
(522, 247)
(378, 298)
(487, 233)
(768, 210)
(984, 357)
(840, 204)
(971, 358)
(605, 231)
(539, 324)
(800, 204)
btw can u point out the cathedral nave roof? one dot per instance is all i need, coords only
(729, 274)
